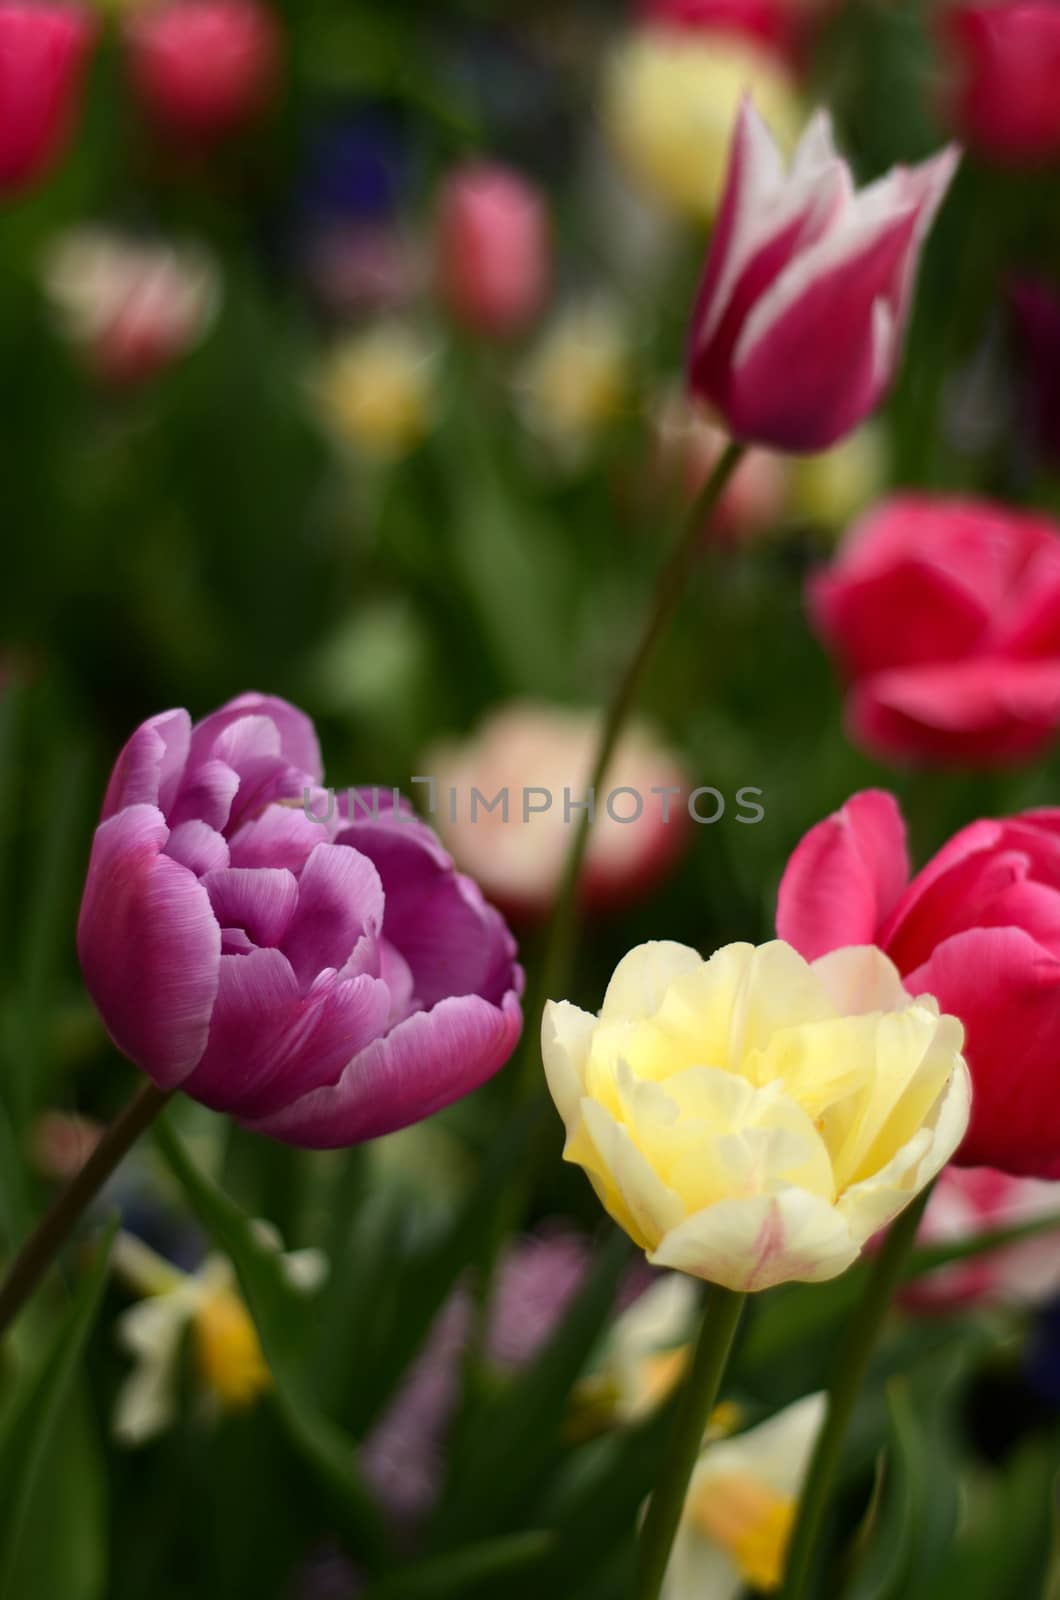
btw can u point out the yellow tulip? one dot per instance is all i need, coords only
(669, 105)
(756, 1118)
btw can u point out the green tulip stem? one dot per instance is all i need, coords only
(672, 582)
(60, 1220)
(850, 1369)
(695, 1402)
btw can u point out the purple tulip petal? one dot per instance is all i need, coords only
(340, 898)
(269, 1042)
(426, 1063)
(259, 900)
(149, 768)
(206, 794)
(281, 836)
(198, 847)
(297, 737)
(453, 941)
(149, 945)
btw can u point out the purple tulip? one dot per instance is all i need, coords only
(323, 981)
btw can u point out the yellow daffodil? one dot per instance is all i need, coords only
(756, 1118)
(229, 1362)
(740, 1508)
(377, 391)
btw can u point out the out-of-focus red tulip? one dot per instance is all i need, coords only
(944, 616)
(767, 22)
(799, 324)
(43, 52)
(494, 249)
(205, 69)
(1006, 92)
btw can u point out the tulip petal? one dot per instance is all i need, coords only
(340, 899)
(428, 1061)
(269, 1042)
(149, 768)
(566, 1038)
(260, 900)
(198, 847)
(454, 942)
(149, 946)
(297, 737)
(639, 983)
(753, 1242)
(845, 877)
(982, 712)
(280, 836)
(1006, 990)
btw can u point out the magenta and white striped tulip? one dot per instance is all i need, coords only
(799, 324)
(324, 982)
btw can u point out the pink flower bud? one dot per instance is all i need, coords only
(967, 1202)
(204, 69)
(493, 244)
(799, 323)
(1006, 60)
(43, 52)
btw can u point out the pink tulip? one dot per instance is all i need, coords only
(970, 1201)
(978, 927)
(1006, 58)
(494, 249)
(944, 617)
(541, 755)
(799, 323)
(204, 69)
(324, 981)
(44, 49)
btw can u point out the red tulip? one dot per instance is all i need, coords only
(944, 616)
(1006, 101)
(767, 22)
(43, 52)
(800, 319)
(493, 247)
(205, 69)
(978, 927)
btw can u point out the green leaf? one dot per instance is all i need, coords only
(31, 1424)
(280, 1316)
(509, 1445)
(463, 1572)
(910, 1527)
(421, 1282)
(63, 1548)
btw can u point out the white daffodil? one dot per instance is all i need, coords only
(206, 1304)
(740, 1508)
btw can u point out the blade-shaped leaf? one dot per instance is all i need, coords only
(280, 1316)
(32, 1418)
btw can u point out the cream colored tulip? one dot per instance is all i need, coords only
(756, 1118)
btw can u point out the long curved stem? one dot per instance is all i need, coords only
(850, 1369)
(57, 1224)
(672, 582)
(695, 1403)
